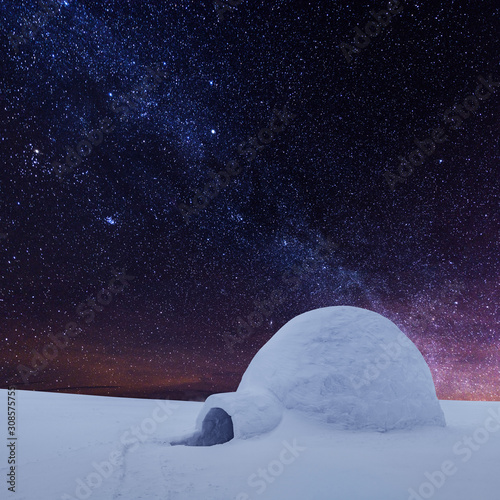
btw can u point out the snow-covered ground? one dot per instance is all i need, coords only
(74, 446)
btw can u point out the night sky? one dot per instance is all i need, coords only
(163, 291)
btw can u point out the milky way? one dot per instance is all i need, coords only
(244, 166)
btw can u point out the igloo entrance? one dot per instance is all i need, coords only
(217, 428)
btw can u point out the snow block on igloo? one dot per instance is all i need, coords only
(346, 366)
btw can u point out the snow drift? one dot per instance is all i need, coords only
(346, 366)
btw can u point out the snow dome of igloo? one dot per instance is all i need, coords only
(346, 366)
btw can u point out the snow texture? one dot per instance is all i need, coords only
(346, 366)
(67, 441)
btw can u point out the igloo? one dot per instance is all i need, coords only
(349, 367)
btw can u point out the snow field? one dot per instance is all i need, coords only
(62, 435)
